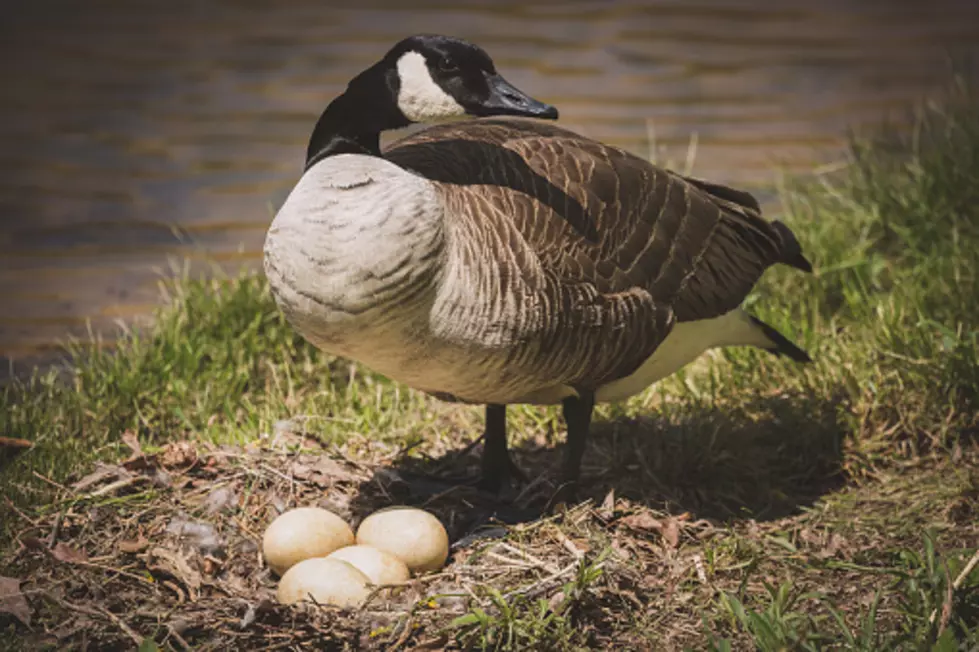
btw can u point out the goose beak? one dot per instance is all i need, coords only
(507, 99)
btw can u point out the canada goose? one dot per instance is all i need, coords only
(506, 260)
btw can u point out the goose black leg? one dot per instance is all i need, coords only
(577, 417)
(497, 463)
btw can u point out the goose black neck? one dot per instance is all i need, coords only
(353, 122)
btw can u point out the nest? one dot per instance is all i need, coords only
(164, 548)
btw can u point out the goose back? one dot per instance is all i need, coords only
(585, 255)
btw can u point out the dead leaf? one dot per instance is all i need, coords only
(607, 508)
(174, 563)
(642, 521)
(178, 454)
(33, 543)
(211, 565)
(621, 550)
(129, 439)
(834, 543)
(556, 603)
(12, 600)
(139, 545)
(65, 553)
(299, 470)
(278, 503)
(321, 470)
(671, 533)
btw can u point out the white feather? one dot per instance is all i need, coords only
(685, 343)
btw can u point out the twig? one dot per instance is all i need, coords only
(405, 634)
(19, 513)
(452, 459)
(512, 563)
(113, 486)
(110, 569)
(178, 638)
(525, 492)
(969, 567)
(52, 482)
(949, 596)
(568, 543)
(441, 494)
(123, 626)
(541, 585)
(966, 571)
(56, 528)
(550, 568)
(287, 478)
(698, 564)
(99, 611)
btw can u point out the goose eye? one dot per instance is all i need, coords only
(447, 66)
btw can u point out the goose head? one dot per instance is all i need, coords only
(425, 78)
(439, 77)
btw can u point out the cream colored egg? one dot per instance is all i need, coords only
(380, 566)
(413, 535)
(326, 581)
(303, 533)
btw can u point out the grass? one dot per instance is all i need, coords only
(834, 506)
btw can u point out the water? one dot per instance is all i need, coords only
(138, 132)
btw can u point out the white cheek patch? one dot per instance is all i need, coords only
(420, 98)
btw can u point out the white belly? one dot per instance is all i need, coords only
(685, 343)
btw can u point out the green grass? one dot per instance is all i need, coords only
(874, 443)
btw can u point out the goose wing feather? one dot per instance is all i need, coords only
(617, 248)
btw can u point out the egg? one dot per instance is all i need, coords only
(413, 535)
(326, 581)
(380, 566)
(304, 533)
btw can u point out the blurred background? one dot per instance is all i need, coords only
(135, 134)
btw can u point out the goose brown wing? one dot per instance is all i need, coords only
(652, 244)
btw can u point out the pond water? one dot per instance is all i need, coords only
(136, 133)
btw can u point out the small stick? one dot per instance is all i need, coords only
(13, 442)
(287, 478)
(460, 454)
(958, 581)
(529, 557)
(99, 611)
(513, 563)
(52, 482)
(56, 529)
(110, 569)
(178, 638)
(540, 585)
(123, 626)
(966, 571)
(568, 543)
(533, 484)
(698, 564)
(113, 486)
(19, 513)
(441, 494)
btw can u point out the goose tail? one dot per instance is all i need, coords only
(778, 343)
